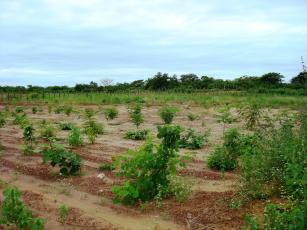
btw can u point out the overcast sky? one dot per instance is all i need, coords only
(62, 42)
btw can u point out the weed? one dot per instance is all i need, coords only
(251, 114)
(15, 212)
(137, 134)
(110, 113)
(167, 114)
(69, 163)
(74, 138)
(148, 169)
(19, 109)
(191, 140)
(224, 116)
(63, 213)
(66, 126)
(106, 167)
(136, 115)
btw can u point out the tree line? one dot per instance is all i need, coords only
(184, 83)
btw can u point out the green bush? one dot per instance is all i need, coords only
(74, 138)
(220, 160)
(225, 157)
(148, 169)
(67, 109)
(279, 162)
(92, 129)
(69, 163)
(136, 115)
(137, 134)
(292, 215)
(110, 113)
(191, 140)
(167, 114)
(20, 119)
(28, 137)
(13, 211)
(252, 115)
(89, 113)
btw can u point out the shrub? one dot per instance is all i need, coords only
(137, 134)
(13, 211)
(224, 116)
(74, 138)
(92, 129)
(167, 114)
(292, 215)
(148, 169)
(220, 160)
(69, 163)
(136, 115)
(34, 110)
(191, 140)
(251, 114)
(110, 113)
(28, 137)
(225, 157)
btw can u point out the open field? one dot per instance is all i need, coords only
(88, 195)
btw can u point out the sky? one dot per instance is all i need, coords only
(64, 42)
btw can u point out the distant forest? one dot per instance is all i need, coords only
(184, 83)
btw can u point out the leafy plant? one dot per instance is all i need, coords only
(20, 119)
(167, 113)
(251, 114)
(110, 113)
(136, 115)
(219, 159)
(92, 129)
(13, 211)
(63, 213)
(28, 137)
(224, 157)
(191, 140)
(224, 116)
(137, 134)
(74, 138)
(148, 169)
(69, 163)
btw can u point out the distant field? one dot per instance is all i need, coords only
(206, 99)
